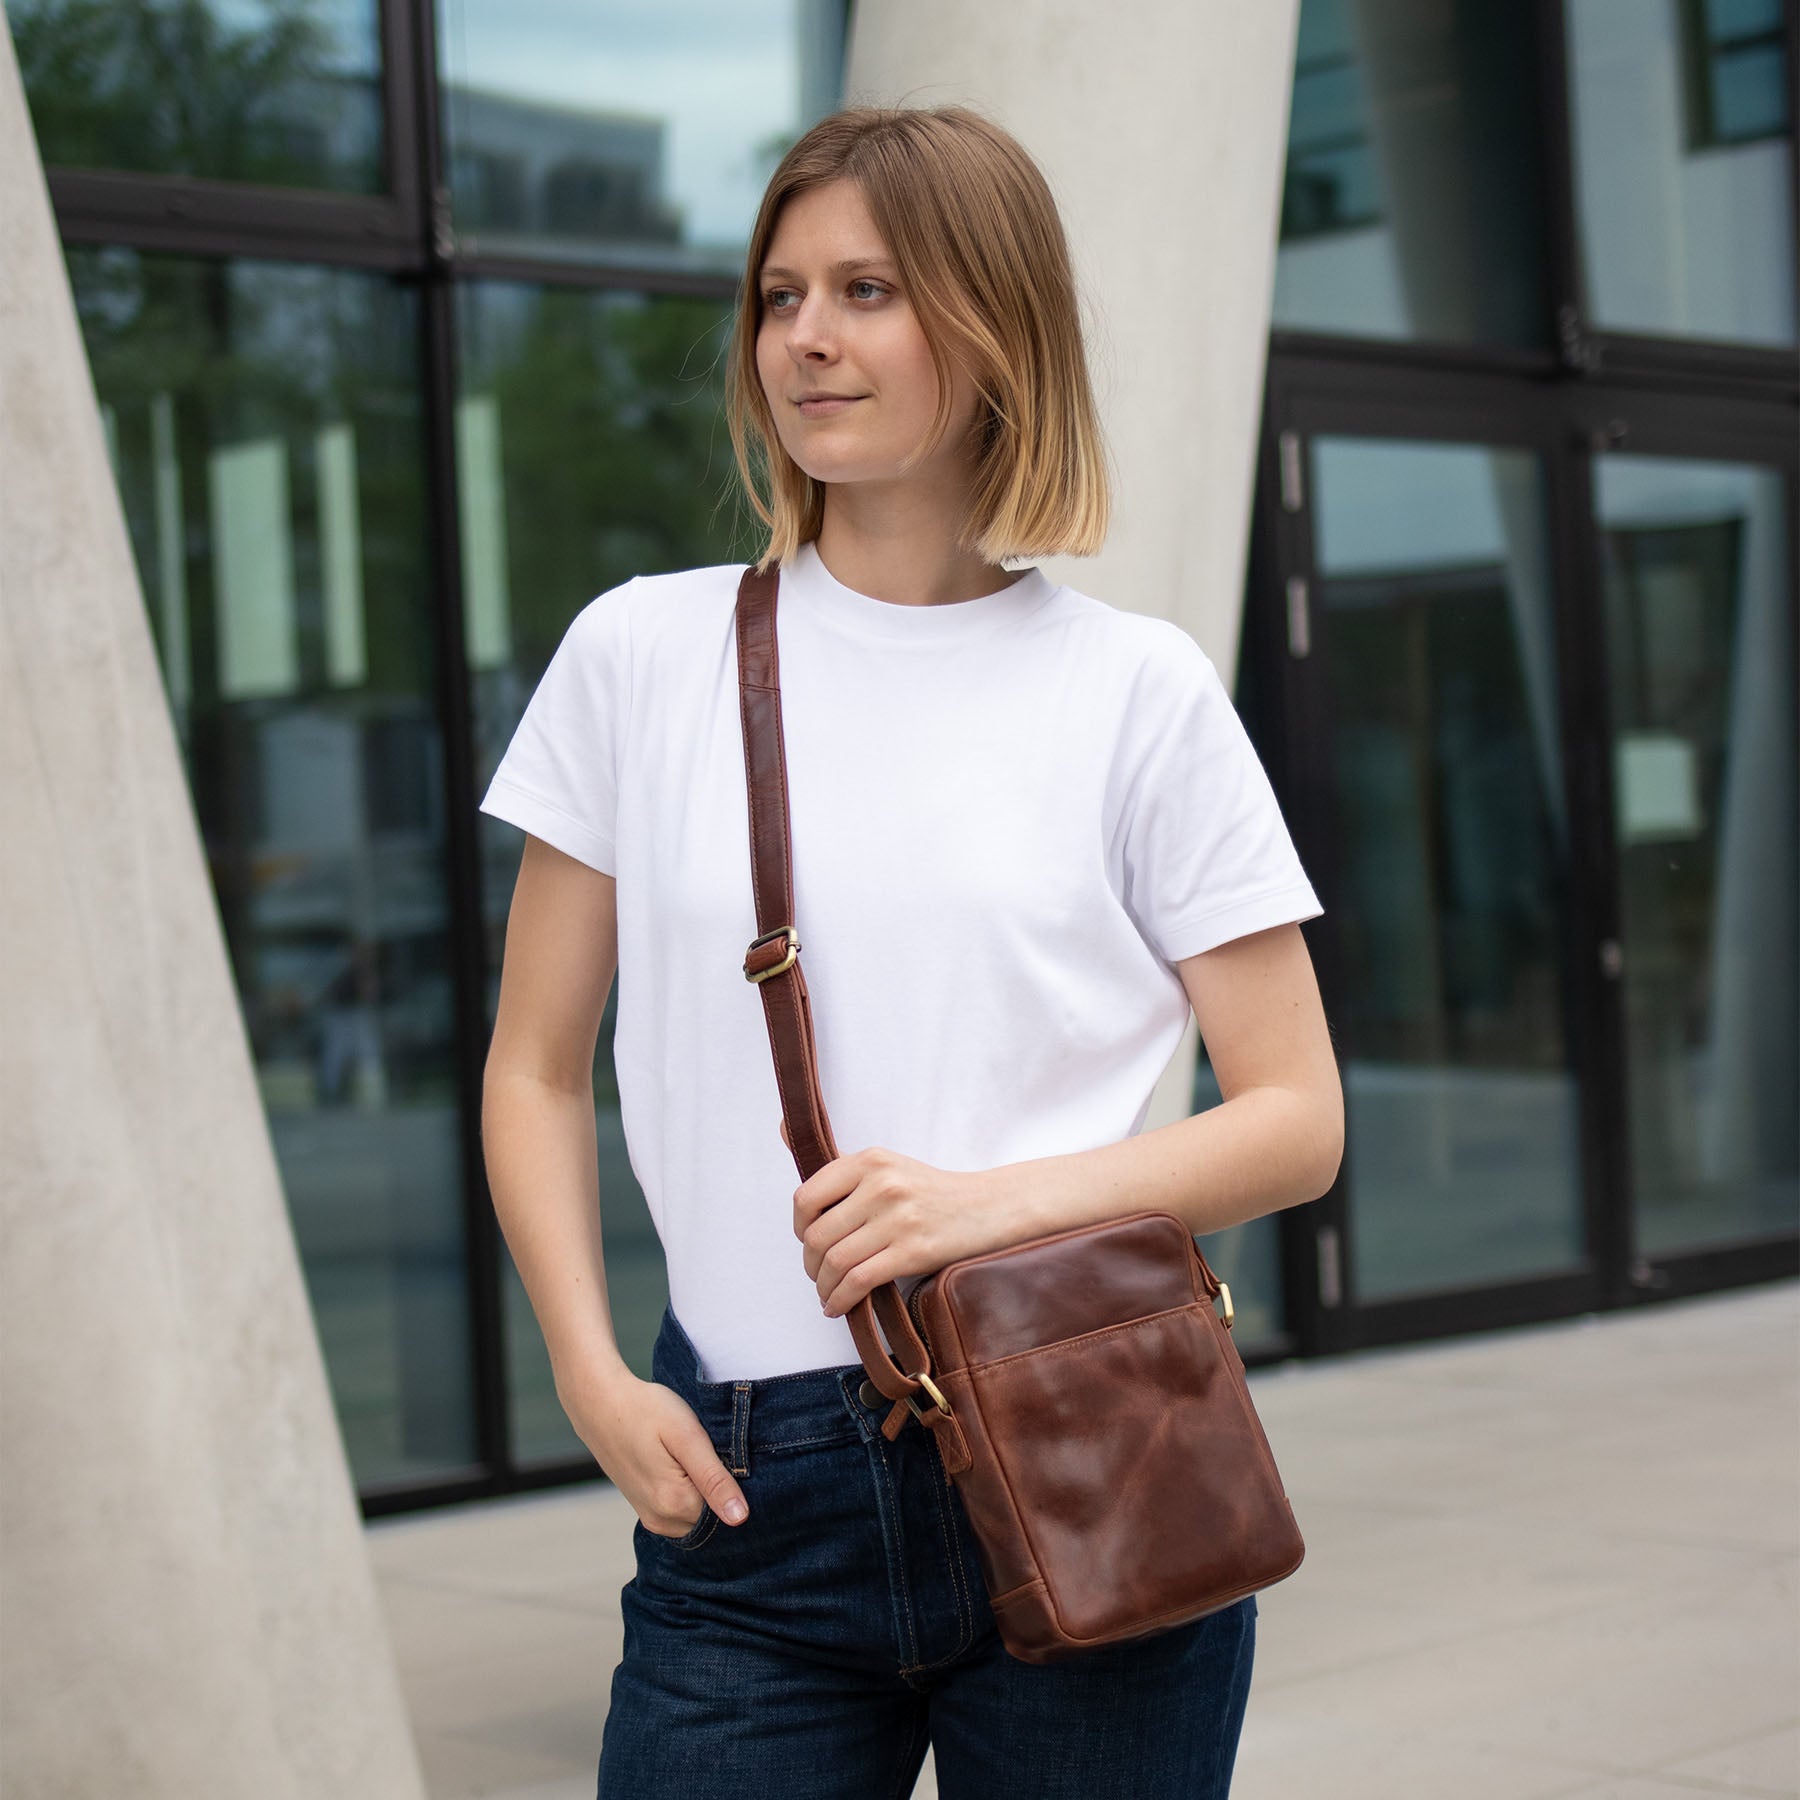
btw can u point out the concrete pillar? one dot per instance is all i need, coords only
(1162, 130)
(188, 1606)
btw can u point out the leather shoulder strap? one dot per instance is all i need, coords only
(773, 960)
(773, 963)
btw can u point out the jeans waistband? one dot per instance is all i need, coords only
(807, 1406)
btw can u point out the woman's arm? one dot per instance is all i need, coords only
(1276, 1140)
(537, 1134)
(537, 1103)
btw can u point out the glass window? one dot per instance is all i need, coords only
(590, 448)
(1683, 166)
(633, 130)
(1462, 1156)
(282, 92)
(1734, 71)
(264, 422)
(1410, 206)
(1700, 650)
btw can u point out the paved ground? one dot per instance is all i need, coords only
(1551, 1564)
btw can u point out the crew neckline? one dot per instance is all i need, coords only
(822, 596)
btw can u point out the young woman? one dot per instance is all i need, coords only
(1029, 833)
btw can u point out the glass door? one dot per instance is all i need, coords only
(1697, 599)
(1537, 707)
(1432, 667)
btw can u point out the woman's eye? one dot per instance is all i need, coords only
(773, 298)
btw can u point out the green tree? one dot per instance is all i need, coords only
(166, 86)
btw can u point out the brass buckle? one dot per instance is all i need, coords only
(937, 1399)
(769, 937)
(1225, 1295)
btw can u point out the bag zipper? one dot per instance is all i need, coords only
(912, 1312)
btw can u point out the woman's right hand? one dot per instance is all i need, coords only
(656, 1452)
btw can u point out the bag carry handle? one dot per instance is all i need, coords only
(773, 964)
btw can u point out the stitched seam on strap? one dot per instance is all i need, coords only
(778, 785)
(749, 759)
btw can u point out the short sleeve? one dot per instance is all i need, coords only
(559, 776)
(1206, 852)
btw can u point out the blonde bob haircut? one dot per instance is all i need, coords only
(973, 229)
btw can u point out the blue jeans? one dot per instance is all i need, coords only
(813, 1651)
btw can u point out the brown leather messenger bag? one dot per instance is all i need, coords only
(1086, 1396)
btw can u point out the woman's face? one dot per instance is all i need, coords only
(851, 331)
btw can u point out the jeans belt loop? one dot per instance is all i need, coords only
(740, 1429)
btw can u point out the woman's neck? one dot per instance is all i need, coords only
(904, 555)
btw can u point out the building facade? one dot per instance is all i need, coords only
(407, 326)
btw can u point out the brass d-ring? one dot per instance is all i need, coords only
(937, 1398)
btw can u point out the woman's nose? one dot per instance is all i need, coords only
(809, 332)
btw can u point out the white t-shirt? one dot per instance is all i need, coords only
(1010, 815)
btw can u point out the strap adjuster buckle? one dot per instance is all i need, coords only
(784, 932)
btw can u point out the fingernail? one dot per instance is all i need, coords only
(734, 1512)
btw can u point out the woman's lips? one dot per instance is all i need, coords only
(818, 409)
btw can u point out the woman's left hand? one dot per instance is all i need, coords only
(875, 1215)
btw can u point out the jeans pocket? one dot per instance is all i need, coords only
(702, 1528)
(697, 1533)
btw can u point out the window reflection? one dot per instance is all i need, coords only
(1683, 166)
(641, 130)
(265, 429)
(589, 450)
(1700, 654)
(1410, 206)
(1462, 1158)
(1735, 63)
(1331, 184)
(282, 92)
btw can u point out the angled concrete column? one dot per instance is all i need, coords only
(1162, 129)
(186, 1607)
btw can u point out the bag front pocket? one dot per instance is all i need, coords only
(1140, 1474)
